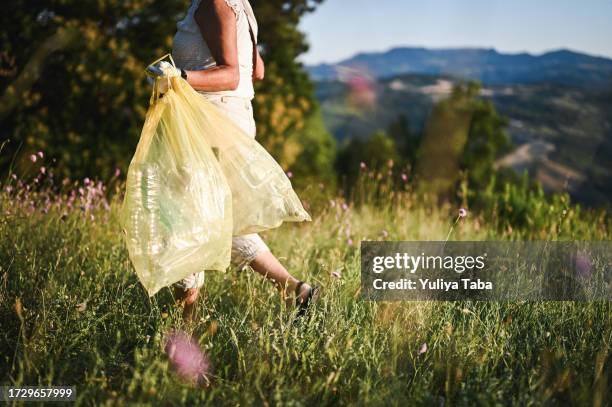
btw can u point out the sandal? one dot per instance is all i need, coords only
(303, 304)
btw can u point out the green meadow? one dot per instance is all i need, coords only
(72, 312)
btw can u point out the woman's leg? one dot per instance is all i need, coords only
(266, 264)
(186, 292)
(188, 298)
(251, 250)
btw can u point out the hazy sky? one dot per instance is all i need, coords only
(340, 28)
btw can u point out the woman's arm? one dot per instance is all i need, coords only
(217, 23)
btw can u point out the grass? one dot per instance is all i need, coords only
(73, 313)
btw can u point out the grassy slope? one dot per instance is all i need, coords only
(351, 352)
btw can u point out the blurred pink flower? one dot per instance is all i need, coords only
(43, 170)
(584, 265)
(336, 274)
(117, 172)
(33, 158)
(423, 348)
(40, 154)
(187, 359)
(463, 213)
(349, 242)
(289, 174)
(344, 207)
(404, 177)
(362, 91)
(385, 233)
(362, 165)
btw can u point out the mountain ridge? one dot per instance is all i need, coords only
(487, 65)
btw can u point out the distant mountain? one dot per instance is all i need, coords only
(486, 65)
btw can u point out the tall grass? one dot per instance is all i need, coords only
(73, 313)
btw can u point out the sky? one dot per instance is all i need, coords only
(338, 29)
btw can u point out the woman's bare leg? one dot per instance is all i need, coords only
(188, 298)
(268, 266)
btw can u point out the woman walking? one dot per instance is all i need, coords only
(215, 49)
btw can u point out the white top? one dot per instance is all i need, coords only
(191, 52)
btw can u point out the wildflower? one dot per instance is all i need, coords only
(349, 241)
(187, 359)
(583, 266)
(117, 172)
(462, 213)
(289, 174)
(336, 274)
(423, 348)
(404, 177)
(332, 203)
(82, 306)
(390, 163)
(86, 181)
(363, 165)
(344, 207)
(385, 233)
(43, 170)
(33, 158)
(40, 154)
(8, 188)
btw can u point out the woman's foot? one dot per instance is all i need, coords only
(305, 296)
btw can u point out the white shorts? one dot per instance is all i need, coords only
(244, 248)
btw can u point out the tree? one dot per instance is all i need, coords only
(76, 86)
(72, 80)
(376, 152)
(289, 122)
(464, 134)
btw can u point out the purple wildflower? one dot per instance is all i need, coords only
(187, 359)
(423, 348)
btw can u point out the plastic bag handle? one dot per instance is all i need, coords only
(155, 94)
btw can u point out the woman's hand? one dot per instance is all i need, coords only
(217, 23)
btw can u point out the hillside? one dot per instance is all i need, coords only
(485, 65)
(563, 133)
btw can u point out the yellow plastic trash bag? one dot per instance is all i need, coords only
(262, 196)
(195, 180)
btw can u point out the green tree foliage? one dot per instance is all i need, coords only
(464, 134)
(72, 81)
(85, 95)
(376, 152)
(289, 123)
(407, 142)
